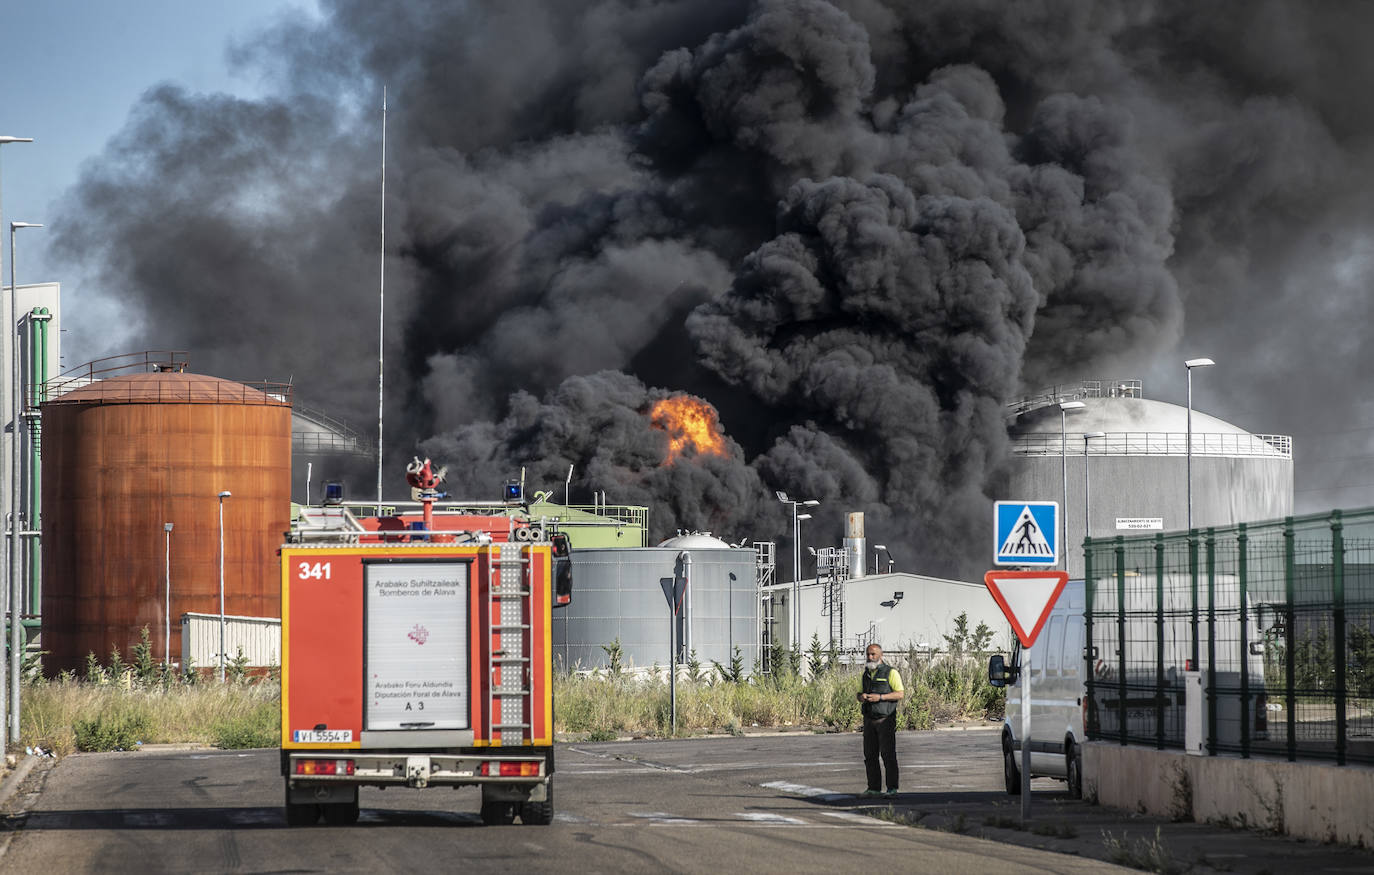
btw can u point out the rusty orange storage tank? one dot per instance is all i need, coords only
(125, 455)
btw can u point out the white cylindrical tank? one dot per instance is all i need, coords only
(855, 544)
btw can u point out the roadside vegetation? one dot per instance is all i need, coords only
(814, 688)
(120, 704)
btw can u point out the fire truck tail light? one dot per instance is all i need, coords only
(324, 767)
(512, 769)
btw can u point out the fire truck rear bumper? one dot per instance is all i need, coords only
(504, 777)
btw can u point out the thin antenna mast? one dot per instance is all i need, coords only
(381, 314)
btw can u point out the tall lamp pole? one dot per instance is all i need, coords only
(12, 502)
(890, 562)
(1190, 364)
(16, 391)
(223, 495)
(1065, 408)
(796, 559)
(167, 604)
(1087, 483)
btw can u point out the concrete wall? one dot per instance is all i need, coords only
(1310, 800)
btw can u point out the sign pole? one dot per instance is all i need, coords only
(672, 671)
(1025, 735)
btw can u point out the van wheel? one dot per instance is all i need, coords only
(1010, 772)
(1073, 769)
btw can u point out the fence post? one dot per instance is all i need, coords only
(1089, 653)
(1160, 700)
(1121, 632)
(1242, 544)
(1211, 544)
(1290, 701)
(1338, 621)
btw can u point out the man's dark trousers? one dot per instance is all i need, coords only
(880, 738)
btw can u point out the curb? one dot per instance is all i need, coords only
(16, 777)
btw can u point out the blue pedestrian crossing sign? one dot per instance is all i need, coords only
(1027, 533)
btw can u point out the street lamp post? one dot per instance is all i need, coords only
(223, 495)
(1087, 491)
(1190, 364)
(12, 502)
(167, 604)
(796, 558)
(890, 563)
(16, 430)
(1065, 408)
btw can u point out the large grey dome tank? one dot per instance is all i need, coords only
(1136, 470)
(619, 595)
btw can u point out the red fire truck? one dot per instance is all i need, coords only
(420, 660)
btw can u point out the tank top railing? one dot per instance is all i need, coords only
(1148, 443)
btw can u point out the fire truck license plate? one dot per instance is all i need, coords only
(321, 736)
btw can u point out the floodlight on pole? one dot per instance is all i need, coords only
(167, 604)
(1087, 498)
(1190, 364)
(223, 495)
(796, 557)
(1065, 408)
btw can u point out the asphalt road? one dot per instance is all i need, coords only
(765, 804)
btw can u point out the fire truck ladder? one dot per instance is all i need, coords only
(510, 606)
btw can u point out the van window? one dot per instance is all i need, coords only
(1054, 659)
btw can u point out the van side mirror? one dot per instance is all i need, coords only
(999, 674)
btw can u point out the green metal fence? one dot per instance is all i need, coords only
(1277, 617)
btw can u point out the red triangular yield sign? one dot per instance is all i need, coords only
(1026, 597)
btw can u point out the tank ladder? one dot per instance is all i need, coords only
(510, 607)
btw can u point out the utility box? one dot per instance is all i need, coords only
(1194, 713)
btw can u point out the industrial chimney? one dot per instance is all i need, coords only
(855, 545)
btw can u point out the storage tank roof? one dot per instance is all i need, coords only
(695, 541)
(1114, 415)
(170, 387)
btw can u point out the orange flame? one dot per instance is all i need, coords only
(688, 422)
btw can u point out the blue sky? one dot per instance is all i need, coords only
(75, 67)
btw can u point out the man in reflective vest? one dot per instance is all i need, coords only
(882, 690)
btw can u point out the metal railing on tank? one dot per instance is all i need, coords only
(1156, 443)
(1276, 617)
(1076, 392)
(91, 383)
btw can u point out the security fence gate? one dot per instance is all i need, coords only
(1277, 617)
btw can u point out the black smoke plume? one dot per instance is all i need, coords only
(856, 227)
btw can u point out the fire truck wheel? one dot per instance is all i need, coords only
(341, 813)
(498, 813)
(538, 813)
(300, 813)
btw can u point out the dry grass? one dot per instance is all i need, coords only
(229, 715)
(606, 705)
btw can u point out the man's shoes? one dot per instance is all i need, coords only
(891, 791)
(870, 793)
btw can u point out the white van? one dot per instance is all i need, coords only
(1058, 692)
(1060, 662)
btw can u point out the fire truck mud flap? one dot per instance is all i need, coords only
(325, 794)
(516, 792)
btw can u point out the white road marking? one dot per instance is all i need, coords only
(853, 817)
(803, 790)
(657, 817)
(765, 817)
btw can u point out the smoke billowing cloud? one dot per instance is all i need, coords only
(856, 227)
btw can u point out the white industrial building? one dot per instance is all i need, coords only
(897, 611)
